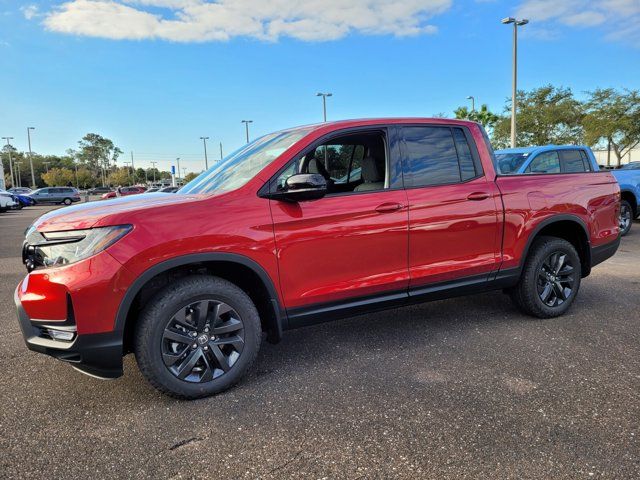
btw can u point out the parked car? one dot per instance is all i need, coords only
(264, 241)
(628, 176)
(169, 189)
(99, 190)
(123, 192)
(573, 159)
(20, 190)
(22, 201)
(56, 195)
(6, 201)
(152, 189)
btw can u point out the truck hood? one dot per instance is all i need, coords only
(90, 214)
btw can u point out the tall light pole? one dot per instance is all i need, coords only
(184, 172)
(13, 180)
(221, 157)
(178, 179)
(46, 165)
(18, 173)
(324, 103)
(33, 175)
(516, 23)
(473, 102)
(206, 159)
(246, 126)
(153, 164)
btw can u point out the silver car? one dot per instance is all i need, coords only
(66, 195)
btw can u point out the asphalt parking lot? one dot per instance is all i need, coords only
(463, 388)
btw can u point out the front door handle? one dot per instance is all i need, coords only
(389, 207)
(476, 196)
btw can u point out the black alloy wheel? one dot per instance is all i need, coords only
(202, 341)
(626, 217)
(556, 278)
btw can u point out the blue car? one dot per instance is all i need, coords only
(628, 177)
(573, 159)
(547, 159)
(22, 201)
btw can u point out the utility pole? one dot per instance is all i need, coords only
(324, 103)
(133, 168)
(206, 160)
(128, 170)
(221, 157)
(246, 125)
(33, 175)
(516, 23)
(13, 181)
(153, 164)
(178, 179)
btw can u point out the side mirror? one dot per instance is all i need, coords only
(301, 187)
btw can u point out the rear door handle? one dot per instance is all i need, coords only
(389, 207)
(478, 196)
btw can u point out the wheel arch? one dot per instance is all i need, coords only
(630, 197)
(568, 227)
(240, 270)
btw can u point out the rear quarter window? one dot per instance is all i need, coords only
(573, 161)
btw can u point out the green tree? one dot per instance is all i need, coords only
(86, 178)
(96, 152)
(56, 177)
(613, 118)
(546, 115)
(190, 176)
(120, 176)
(484, 116)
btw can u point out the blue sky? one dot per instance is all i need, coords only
(155, 75)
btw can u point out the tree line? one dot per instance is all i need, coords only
(93, 163)
(606, 119)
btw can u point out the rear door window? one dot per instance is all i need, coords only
(437, 156)
(574, 161)
(545, 162)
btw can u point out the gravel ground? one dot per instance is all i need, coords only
(463, 388)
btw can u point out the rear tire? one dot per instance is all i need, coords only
(626, 217)
(67, 201)
(176, 355)
(550, 279)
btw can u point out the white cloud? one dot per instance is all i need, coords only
(29, 11)
(202, 20)
(619, 19)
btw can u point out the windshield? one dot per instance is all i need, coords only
(243, 164)
(510, 162)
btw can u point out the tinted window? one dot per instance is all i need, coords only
(545, 162)
(507, 163)
(55, 190)
(572, 161)
(585, 160)
(467, 168)
(431, 157)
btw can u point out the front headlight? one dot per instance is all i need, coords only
(53, 249)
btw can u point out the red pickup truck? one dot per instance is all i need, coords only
(304, 225)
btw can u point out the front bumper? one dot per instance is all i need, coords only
(98, 354)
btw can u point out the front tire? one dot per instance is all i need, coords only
(197, 337)
(626, 217)
(550, 279)
(67, 201)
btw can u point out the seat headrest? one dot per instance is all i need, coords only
(370, 171)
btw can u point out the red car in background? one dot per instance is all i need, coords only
(301, 226)
(123, 192)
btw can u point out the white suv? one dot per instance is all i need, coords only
(6, 201)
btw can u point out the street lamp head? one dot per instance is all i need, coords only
(204, 138)
(524, 21)
(508, 20)
(31, 128)
(470, 97)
